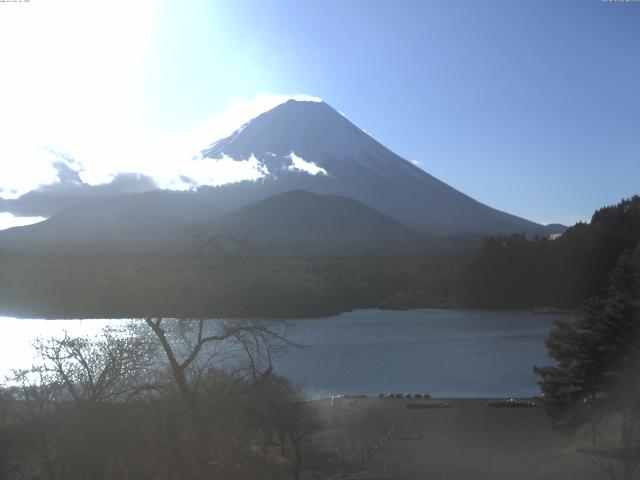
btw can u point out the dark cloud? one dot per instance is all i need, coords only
(48, 200)
(189, 180)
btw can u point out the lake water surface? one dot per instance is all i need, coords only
(461, 353)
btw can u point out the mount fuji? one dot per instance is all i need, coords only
(297, 146)
(303, 145)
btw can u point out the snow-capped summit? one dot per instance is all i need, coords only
(313, 132)
(363, 191)
(311, 146)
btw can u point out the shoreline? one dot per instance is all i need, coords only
(534, 311)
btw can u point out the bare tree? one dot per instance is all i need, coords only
(618, 452)
(6, 434)
(296, 424)
(352, 456)
(617, 464)
(107, 368)
(193, 349)
(36, 414)
(72, 405)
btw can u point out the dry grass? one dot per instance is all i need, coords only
(466, 441)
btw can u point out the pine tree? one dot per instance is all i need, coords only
(598, 357)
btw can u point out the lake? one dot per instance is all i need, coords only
(457, 353)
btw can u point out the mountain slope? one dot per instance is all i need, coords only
(131, 223)
(302, 221)
(293, 223)
(310, 146)
(298, 146)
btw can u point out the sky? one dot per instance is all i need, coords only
(532, 107)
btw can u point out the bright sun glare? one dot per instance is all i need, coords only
(72, 77)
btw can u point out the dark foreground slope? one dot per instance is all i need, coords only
(291, 223)
(245, 263)
(154, 221)
(516, 272)
(214, 285)
(304, 222)
(288, 224)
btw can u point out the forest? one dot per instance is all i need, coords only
(104, 286)
(511, 271)
(516, 272)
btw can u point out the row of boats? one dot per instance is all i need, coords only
(499, 403)
(511, 403)
(502, 403)
(404, 395)
(428, 404)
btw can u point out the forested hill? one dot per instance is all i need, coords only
(513, 272)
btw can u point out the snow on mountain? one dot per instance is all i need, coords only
(312, 130)
(311, 146)
(297, 146)
(301, 165)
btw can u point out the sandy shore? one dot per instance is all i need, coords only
(466, 441)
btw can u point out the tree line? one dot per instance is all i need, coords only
(516, 272)
(107, 286)
(510, 271)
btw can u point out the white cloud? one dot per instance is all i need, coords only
(26, 163)
(8, 221)
(71, 81)
(68, 80)
(24, 167)
(214, 172)
(301, 165)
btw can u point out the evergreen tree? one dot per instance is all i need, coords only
(516, 272)
(598, 357)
